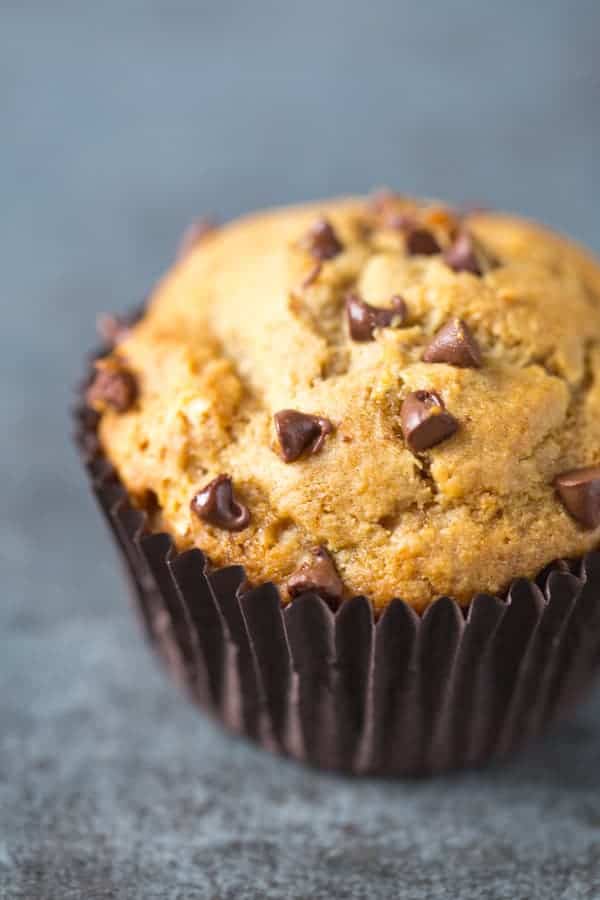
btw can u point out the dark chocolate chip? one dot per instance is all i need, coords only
(113, 386)
(318, 575)
(454, 344)
(300, 432)
(579, 490)
(421, 242)
(150, 502)
(195, 234)
(217, 505)
(425, 420)
(363, 318)
(112, 329)
(322, 242)
(466, 255)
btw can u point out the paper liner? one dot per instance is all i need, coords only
(403, 695)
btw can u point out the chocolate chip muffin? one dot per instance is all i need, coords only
(377, 397)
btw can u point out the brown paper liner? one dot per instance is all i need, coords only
(403, 695)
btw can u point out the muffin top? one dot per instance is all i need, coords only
(366, 396)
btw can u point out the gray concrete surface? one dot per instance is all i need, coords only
(120, 121)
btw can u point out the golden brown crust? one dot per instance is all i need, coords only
(242, 328)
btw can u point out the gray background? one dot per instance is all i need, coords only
(121, 121)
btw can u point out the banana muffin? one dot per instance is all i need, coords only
(379, 397)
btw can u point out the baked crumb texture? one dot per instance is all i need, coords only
(371, 396)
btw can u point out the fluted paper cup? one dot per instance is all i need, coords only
(399, 695)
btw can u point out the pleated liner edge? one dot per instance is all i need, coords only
(403, 695)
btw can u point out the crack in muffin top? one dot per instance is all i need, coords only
(376, 394)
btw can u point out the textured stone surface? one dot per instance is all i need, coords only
(119, 125)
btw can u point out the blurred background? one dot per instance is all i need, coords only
(121, 121)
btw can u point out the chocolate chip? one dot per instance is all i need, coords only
(112, 329)
(195, 234)
(425, 420)
(150, 503)
(113, 387)
(363, 318)
(300, 432)
(579, 490)
(217, 505)
(421, 242)
(454, 344)
(466, 255)
(318, 575)
(322, 242)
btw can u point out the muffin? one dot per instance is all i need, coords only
(351, 453)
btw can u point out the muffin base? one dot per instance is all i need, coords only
(401, 695)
